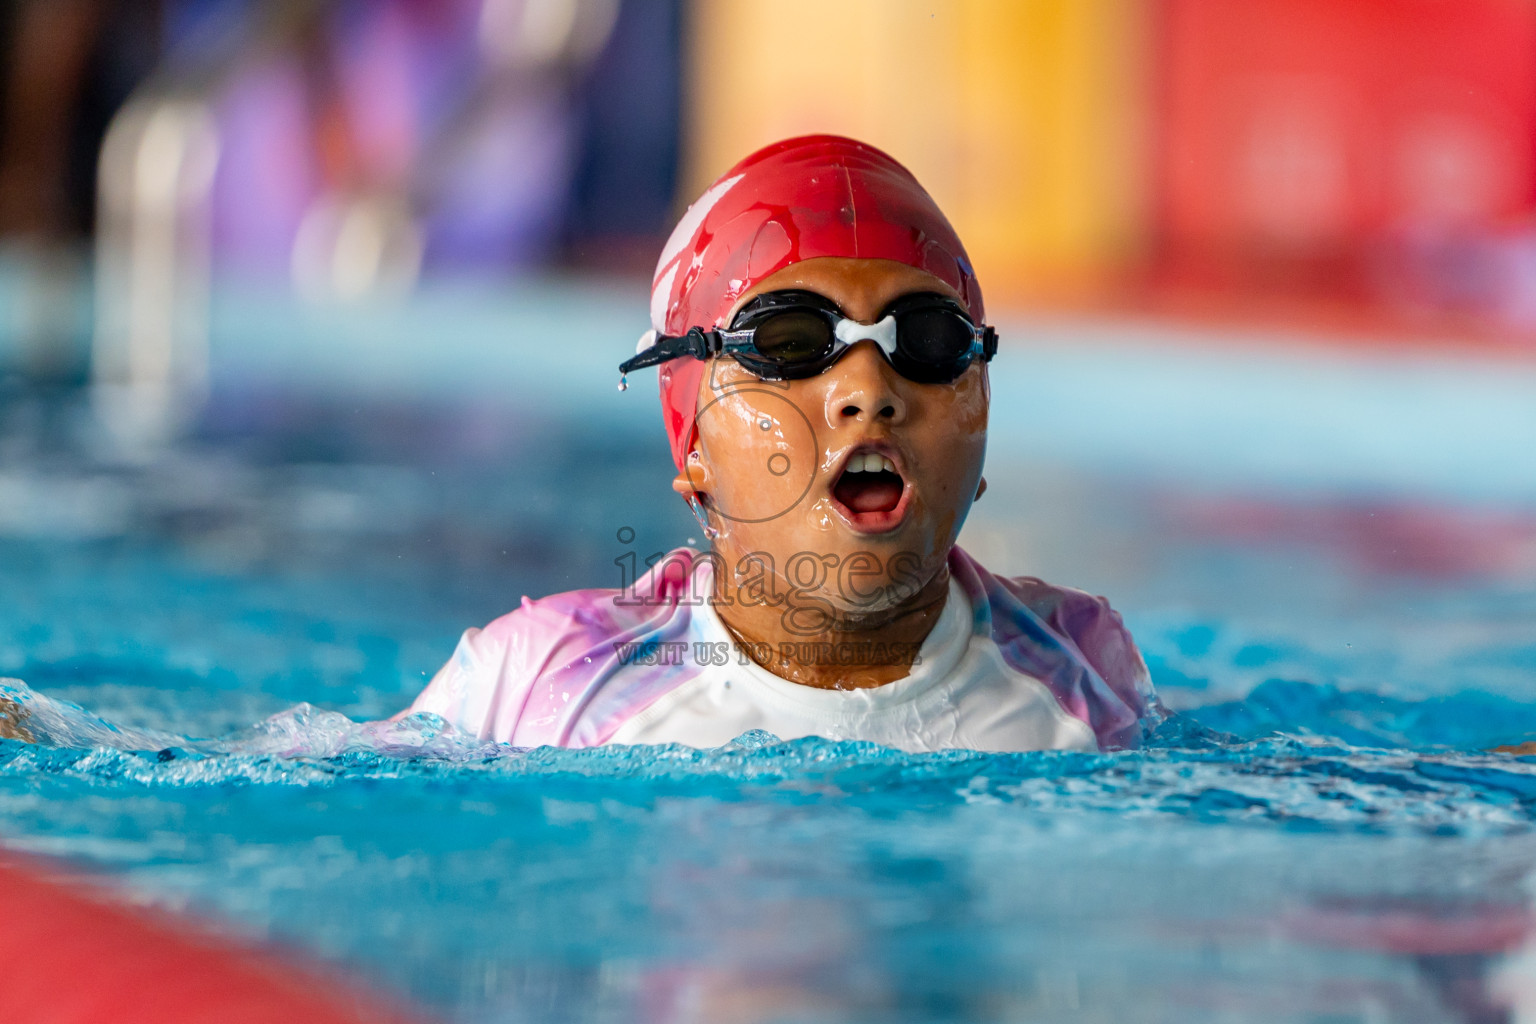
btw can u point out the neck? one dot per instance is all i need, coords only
(844, 651)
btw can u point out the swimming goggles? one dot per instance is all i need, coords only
(791, 335)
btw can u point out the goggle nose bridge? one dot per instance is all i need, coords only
(882, 332)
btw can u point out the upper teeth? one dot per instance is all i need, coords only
(870, 462)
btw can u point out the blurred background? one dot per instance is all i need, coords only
(1355, 167)
(310, 313)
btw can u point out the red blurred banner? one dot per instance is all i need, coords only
(1311, 147)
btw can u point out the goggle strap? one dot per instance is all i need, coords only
(699, 343)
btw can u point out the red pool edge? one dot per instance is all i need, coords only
(74, 954)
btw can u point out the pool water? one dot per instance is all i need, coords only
(1320, 834)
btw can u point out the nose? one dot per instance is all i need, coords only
(864, 389)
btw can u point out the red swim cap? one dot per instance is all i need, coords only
(818, 195)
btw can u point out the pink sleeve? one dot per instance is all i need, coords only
(1100, 634)
(485, 689)
(461, 689)
(534, 676)
(1071, 641)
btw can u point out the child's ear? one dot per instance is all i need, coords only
(980, 489)
(693, 477)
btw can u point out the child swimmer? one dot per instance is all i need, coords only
(822, 354)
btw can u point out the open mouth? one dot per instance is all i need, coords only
(870, 490)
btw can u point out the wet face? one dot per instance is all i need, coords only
(851, 486)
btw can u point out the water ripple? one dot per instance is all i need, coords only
(1188, 771)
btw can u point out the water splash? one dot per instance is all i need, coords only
(1187, 771)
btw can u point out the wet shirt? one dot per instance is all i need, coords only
(1011, 664)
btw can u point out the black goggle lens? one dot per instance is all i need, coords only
(793, 337)
(938, 337)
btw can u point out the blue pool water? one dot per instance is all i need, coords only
(1319, 835)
